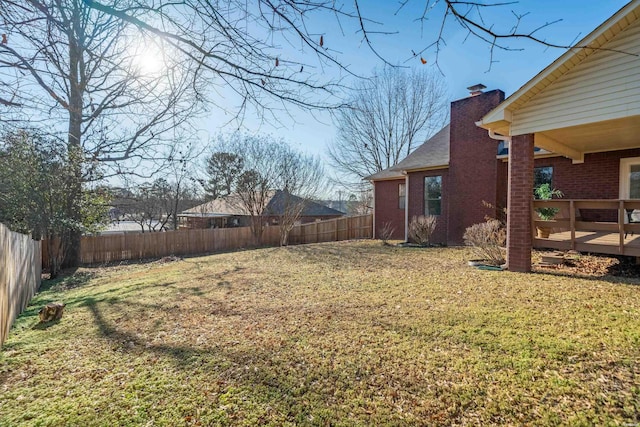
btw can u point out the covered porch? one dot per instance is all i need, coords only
(584, 103)
(620, 235)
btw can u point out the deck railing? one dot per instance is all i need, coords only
(602, 226)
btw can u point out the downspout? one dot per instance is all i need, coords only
(406, 206)
(504, 138)
(373, 209)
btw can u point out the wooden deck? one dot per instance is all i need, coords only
(600, 242)
(571, 232)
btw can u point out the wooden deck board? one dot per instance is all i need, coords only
(592, 241)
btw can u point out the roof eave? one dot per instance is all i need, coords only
(425, 168)
(494, 118)
(389, 178)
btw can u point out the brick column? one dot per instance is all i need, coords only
(519, 203)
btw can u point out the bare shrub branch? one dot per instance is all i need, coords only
(487, 240)
(421, 228)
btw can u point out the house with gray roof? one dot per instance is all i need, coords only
(229, 211)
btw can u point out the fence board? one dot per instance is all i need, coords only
(20, 269)
(135, 246)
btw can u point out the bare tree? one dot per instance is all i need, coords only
(360, 202)
(388, 115)
(275, 180)
(181, 176)
(149, 205)
(301, 178)
(245, 44)
(82, 78)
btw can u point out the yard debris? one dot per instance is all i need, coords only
(51, 311)
(169, 258)
(574, 263)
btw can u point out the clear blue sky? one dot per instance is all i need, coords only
(464, 61)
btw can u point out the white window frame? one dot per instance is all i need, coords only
(404, 186)
(625, 170)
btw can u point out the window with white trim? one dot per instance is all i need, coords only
(433, 195)
(630, 178)
(402, 196)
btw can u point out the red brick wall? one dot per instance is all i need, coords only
(520, 191)
(386, 207)
(416, 201)
(473, 176)
(597, 178)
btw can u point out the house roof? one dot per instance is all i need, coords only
(276, 201)
(224, 206)
(433, 153)
(384, 175)
(500, 118)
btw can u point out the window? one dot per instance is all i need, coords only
(634, 182)
(542, 175)
(432, 195)
(402, 196)
(630, 178)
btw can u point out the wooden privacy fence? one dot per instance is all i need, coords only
(110, 248)
(20, 269)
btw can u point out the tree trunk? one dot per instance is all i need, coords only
(74, 153)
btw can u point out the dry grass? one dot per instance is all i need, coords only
(329, 334)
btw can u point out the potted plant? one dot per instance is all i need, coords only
(545, 192)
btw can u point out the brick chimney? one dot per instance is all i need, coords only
(473, 167)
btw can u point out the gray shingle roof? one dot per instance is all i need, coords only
(276, 201)
(433, 153)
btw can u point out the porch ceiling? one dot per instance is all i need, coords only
(575, 141)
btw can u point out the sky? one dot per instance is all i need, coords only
(463, 62)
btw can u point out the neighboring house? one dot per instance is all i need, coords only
(128, 227)
(229, 212)
(339, 205)
(575, 125)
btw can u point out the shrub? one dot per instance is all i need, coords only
(487, 240)
(421, 228)
(386, 232)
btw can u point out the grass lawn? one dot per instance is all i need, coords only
(349, 333)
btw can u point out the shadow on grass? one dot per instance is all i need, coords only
(112, 295)
(272, 380)
(181, 355)
(67, 279)
(41, 326)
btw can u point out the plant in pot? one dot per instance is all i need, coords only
(545, 192)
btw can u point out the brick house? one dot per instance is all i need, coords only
(230, 212)
(575, 125)
(449, 176)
